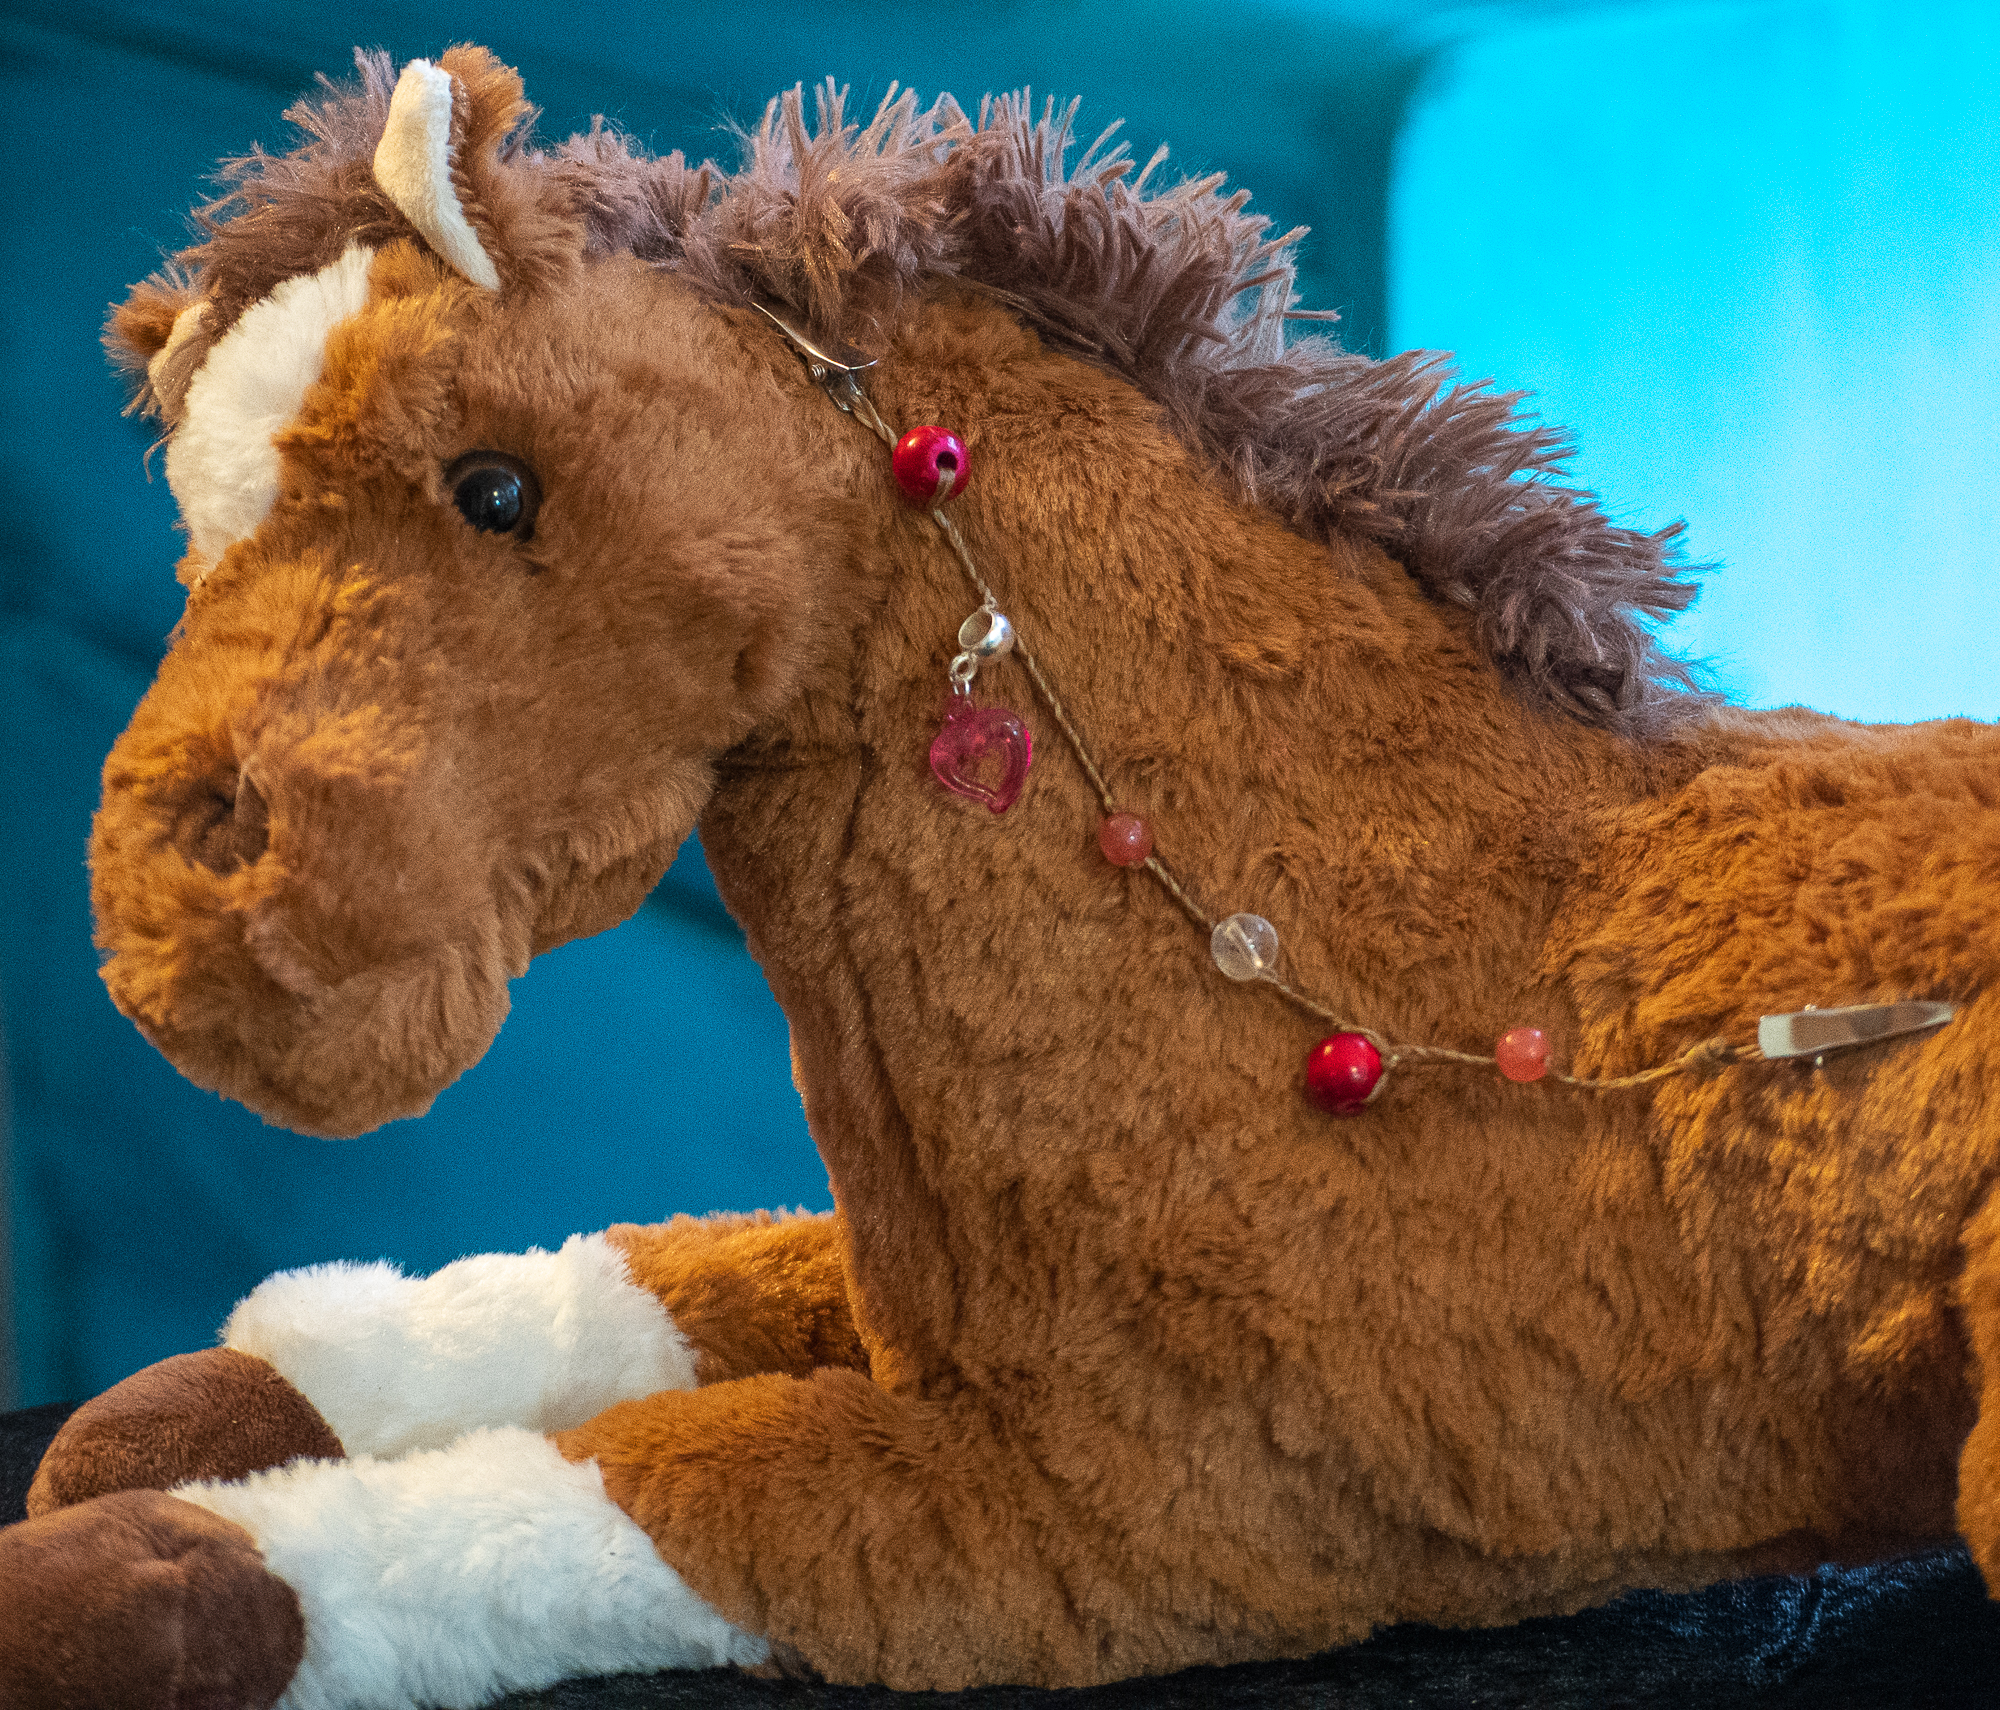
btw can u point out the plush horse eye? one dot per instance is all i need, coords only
(495, 493)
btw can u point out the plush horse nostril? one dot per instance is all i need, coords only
(251, 820)
(229, 827)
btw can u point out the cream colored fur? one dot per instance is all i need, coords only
(221, 463)
(186, 324)
(457, 1575)
(413, 166)
(396, 1363)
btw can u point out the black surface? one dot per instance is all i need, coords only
(1918, 1634)
(23, 1437)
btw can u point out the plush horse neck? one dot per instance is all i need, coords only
(1310, 735)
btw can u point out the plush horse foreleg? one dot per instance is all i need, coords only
(362, 1359)
(545, 1340)
(453, 1575)
(396, 1363)
(1979, 1461)
(441, 1580)
(879, 1537)
(751, 1294)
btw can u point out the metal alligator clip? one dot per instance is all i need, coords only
(1815, 1032)
(838, 371)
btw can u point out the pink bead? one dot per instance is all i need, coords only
(1341, 1071)
(930, 465)
(1125, 838)
(1522, 1053)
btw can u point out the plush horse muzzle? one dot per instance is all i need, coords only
(243, 811)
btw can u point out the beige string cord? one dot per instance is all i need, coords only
(843, 385)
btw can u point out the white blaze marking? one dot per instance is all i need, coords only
(221, 462)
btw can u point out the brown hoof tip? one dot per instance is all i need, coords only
(140, 1601)
(214, 1414)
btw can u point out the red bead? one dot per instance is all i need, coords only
(1523, 1054)
(1125, 838)
(930, 465)
(1341, 1071)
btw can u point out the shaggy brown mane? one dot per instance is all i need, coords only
(1181, 291)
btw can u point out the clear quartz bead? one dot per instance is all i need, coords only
(1244, 946)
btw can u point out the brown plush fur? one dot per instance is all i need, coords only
(1161, 1367)
(140, 1600)
(751, 1294)
(212, 1414)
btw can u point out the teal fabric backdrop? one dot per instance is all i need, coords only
(641, 1073)
(1750, 255)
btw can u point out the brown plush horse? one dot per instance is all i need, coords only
(522, 538)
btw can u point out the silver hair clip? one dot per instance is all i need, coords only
(1814, 1032)
(838, 371)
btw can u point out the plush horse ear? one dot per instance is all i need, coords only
(448, 159)
(420, 164)
(151, 337)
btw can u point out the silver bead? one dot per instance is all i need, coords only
(986, 635)
(1244, 946)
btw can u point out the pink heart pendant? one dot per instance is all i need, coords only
(982, 753)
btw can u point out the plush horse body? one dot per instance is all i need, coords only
(1117, 1355)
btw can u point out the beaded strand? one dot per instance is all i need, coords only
(1347, 1070)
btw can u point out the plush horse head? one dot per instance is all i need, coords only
(521, 537)
(406, 396)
